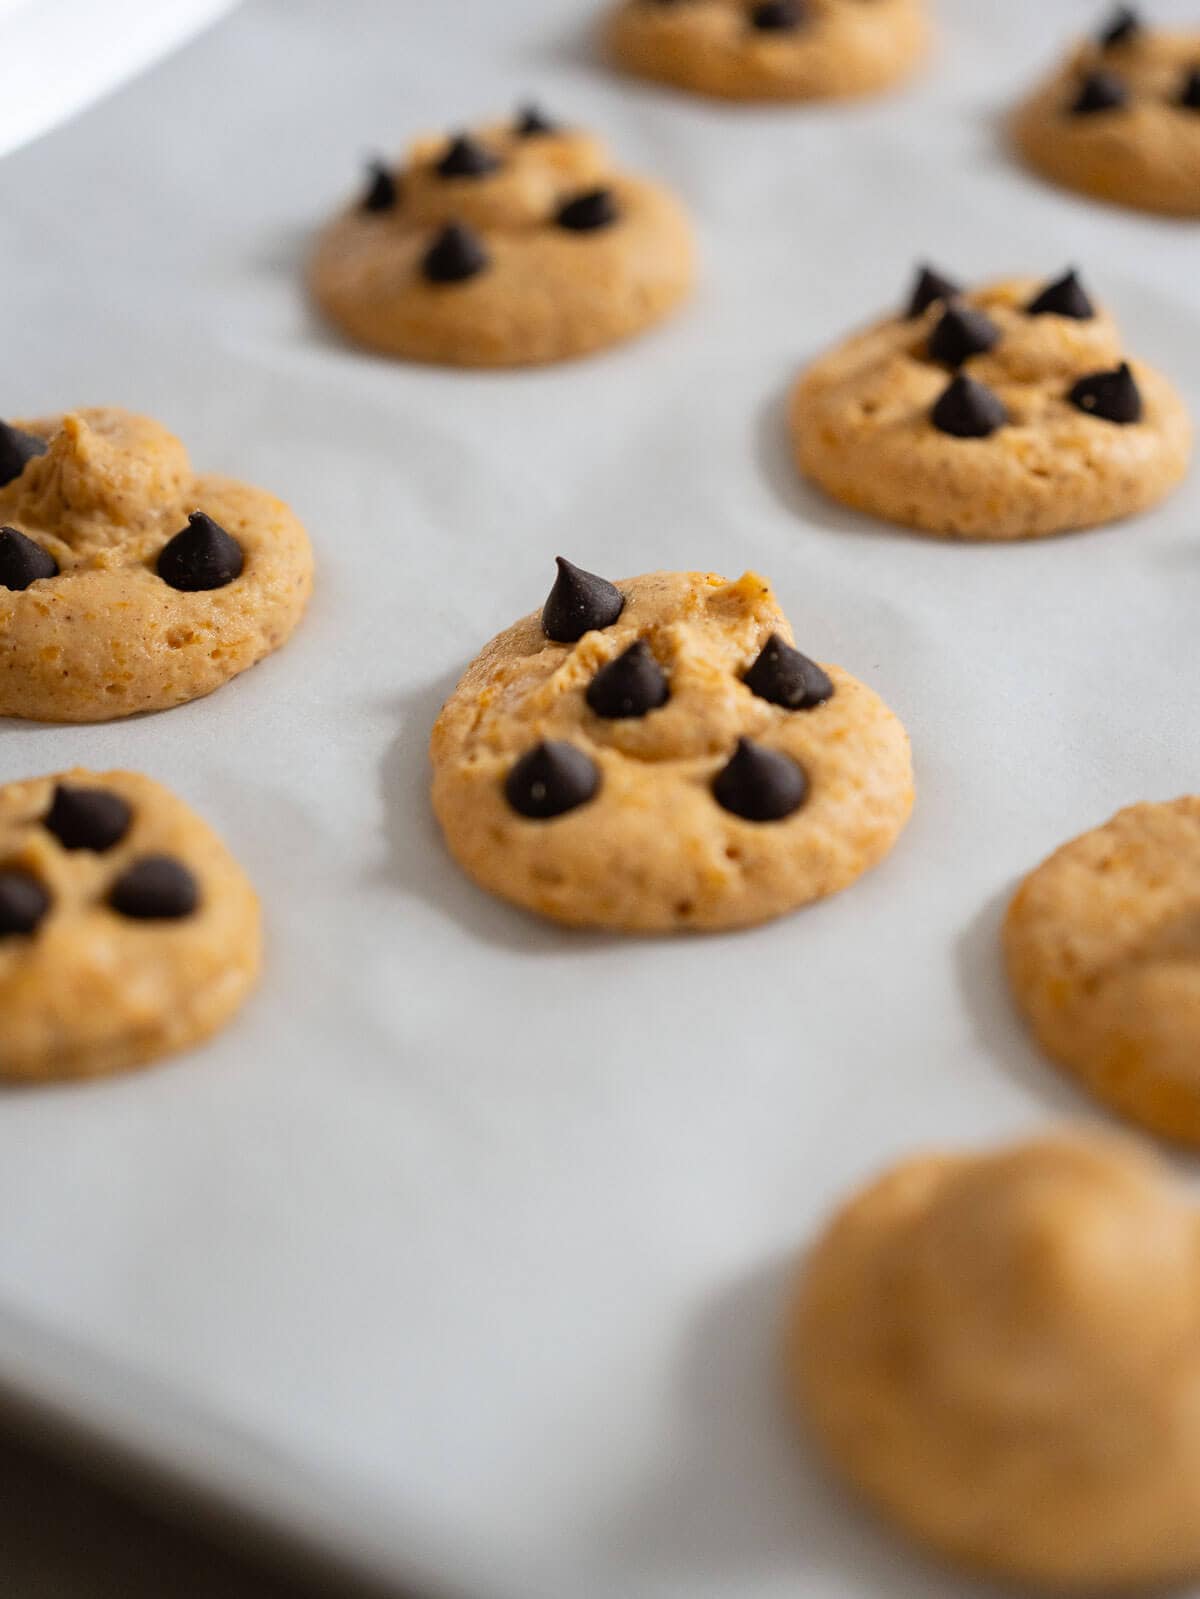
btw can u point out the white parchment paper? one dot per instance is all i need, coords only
(463, 1249)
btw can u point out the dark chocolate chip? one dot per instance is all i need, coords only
(1066, 296)
(157, 888)
(381, 191)
(23, 901)
(1100, 91)
(968, 410)
(531, 121)
(16, 449)
(87, 818)
(595, 209)
(455, 255)
(961, 333)
(760, 785)
(579, 602)
(930, 286)
(785, 677)
(1189, 95)
(465, 157)
(23, 562)
(777, 16)
(1122, 26)
(201, 556)
(631, 685)
(1112, 396)
(551, 779)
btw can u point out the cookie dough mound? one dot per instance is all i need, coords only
(1103, 948)
(127, 583)
(778, 50)
(1120, 119)
(656, 755)
(1005, 412)
(1002, 1354)
(127, 930)
(513, 247)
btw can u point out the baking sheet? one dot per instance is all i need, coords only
(462, 1251)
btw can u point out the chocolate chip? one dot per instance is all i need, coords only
(783, 676)
(930, 286)
(381, 192)
(595, 209)
(631, 685)
(1122, 26)
(156, 888)
(23, 902)
(1112, 396)
(201, 556)
(87, 818)
(1189, 95)
(17, 448)
(551, 779)
(455, 255)
(777, 16)
(579, 602)
(968, 410)
(760, 785)
(1099, 91)
(961, 333)
(465, 157)
(23, 562)
(1066, 296)
(531, 122)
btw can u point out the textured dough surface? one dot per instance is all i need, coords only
(846, 47)
(1002, 1354)
(91, 991)
(861, 428)
(1144, 154)
(1103, 949)
(107, 637)
(653, 850)
(547, 294)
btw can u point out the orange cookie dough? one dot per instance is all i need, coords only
(1004, 412)
(1001, 1352)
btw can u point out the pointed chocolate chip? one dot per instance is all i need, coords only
(1100, 91)
(455, 255)
(381, 192)
(783, 676)
(595, 209)
(1189, 95)
(87, 818)
(777, 16)
(961, 333)
(760, 785)
(1066, 296)
(23, 902)
(930, 286)
(531, 122)
(1122, 26)
(631, 685)
(579, 602)
(551, 779)
(1112, 396)
(465, 157)
(23, 562)
(17, 448)
(201, 556)
(157, 888)
(968, 410)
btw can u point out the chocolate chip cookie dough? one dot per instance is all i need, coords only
(770, 49)
(1001, 1353)
(1008, 411)
(513, 246)
(656, 755)
(128, 583)
(127, 930)
(1120, 118)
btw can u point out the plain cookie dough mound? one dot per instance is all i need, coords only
(1002, 1354)
(127, 930)
(1005, 412)
(1120, 119)
(656, 755)
(771, 49)
(1103, 949)
(513, 247)
(127, 583)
